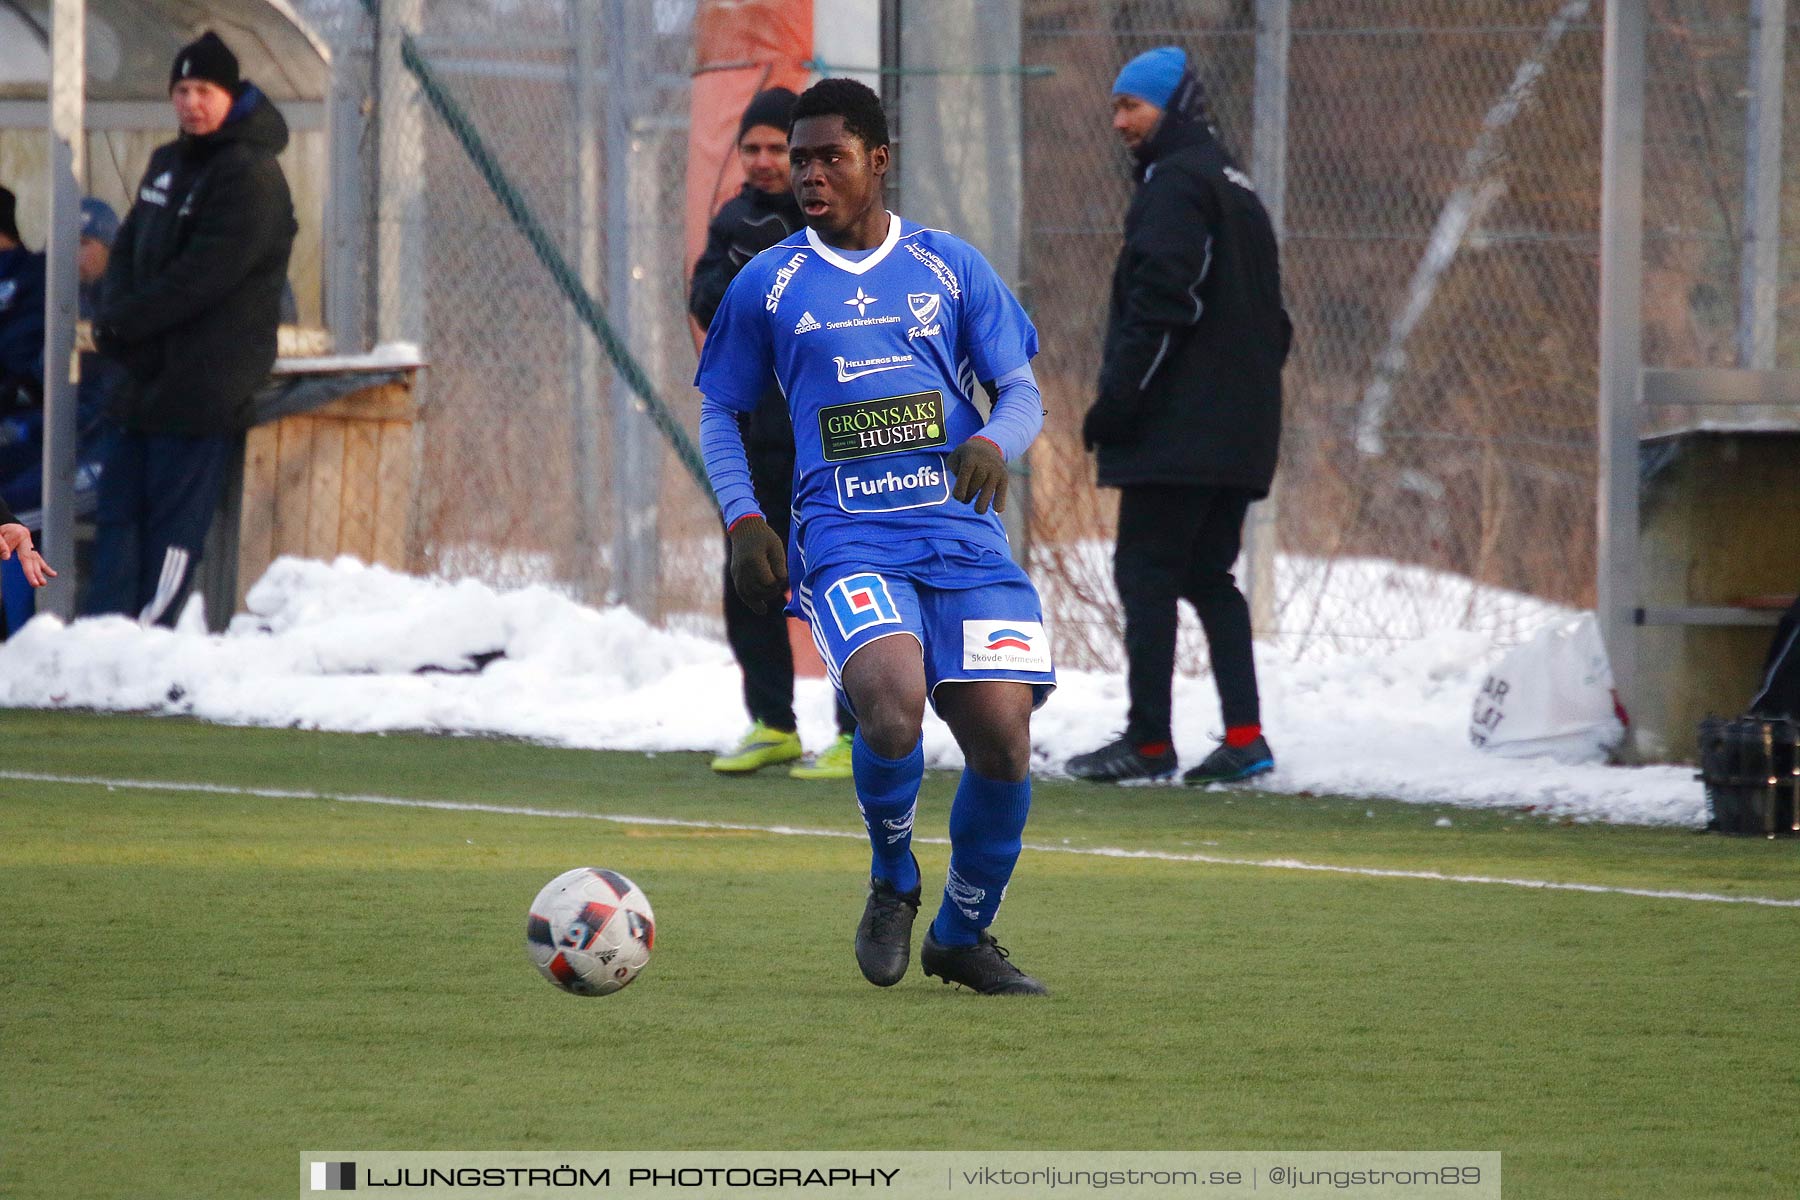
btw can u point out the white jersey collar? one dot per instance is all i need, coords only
(857, 267)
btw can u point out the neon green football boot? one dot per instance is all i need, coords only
(763, 746)
(833, 762)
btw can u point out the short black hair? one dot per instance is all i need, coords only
(855, 102)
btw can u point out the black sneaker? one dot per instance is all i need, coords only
(983, 967)
(1229, 763)
(884, 935)
(1122, 762)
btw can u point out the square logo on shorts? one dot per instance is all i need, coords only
(859, 601)
(1005, 646)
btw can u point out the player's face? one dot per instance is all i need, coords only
(837, 179)
(201, 106)
(1133, 119)
(763, 150)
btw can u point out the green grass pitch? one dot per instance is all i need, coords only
(198, 984)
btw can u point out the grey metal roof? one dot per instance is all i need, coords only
(130, 44)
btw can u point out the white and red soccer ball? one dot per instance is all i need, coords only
(590, 931)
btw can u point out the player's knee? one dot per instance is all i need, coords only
(890, 724)
(1004, 757)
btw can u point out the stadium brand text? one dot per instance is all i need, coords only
(783, 275)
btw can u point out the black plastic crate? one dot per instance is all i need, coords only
(1751, 768)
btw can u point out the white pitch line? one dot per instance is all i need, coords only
(561, 814)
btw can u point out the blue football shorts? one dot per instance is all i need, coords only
(993, 629)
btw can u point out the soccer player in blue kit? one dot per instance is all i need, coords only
(878, 331)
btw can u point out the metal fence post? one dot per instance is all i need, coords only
(962, 153)
(587, 377)
(1268, 167)
(1621, 335)
(346, 222)
(636, 451)
(68, 85)
(1758, 274)
(400, 208)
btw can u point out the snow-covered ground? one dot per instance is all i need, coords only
(348, 647)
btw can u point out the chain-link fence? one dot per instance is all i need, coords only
(586, 124)
(1442, 200)
(1440, 233)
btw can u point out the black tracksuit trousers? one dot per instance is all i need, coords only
(1180, 543)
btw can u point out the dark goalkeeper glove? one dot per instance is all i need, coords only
(758, 564)
(980, 471)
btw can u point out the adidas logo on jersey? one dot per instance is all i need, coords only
(807, 324)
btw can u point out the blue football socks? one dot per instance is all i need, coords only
(987, 821)
(887, 792)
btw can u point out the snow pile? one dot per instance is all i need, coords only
(344, 646)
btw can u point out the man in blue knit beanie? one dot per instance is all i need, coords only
(1188, 417)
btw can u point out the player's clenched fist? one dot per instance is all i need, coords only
(758, 564)
(980, 471)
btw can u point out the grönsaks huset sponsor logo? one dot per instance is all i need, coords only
(886, 426)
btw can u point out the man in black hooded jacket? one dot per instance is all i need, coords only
(192, 299)
(1188, 419)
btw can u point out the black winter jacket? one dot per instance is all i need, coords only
(193, 288)
(1190, 379)
(749, 223)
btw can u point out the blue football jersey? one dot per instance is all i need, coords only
(880, 359)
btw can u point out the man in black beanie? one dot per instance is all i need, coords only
(762, 214)
(191, 301)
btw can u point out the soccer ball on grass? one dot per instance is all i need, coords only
(590, 931)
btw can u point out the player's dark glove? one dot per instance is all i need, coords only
(758, 564)
(980, 471)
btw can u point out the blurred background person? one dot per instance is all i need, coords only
(21, 316)
(22, 454)
(190, 304)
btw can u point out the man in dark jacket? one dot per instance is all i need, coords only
(192, 299)
(1188, 418)
(22, 429)
(21, 318)
(760, 215)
